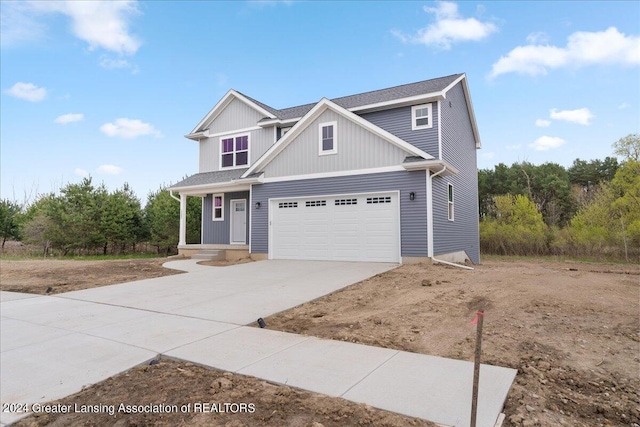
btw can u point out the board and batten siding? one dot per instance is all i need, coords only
(259, 142)
(358, 148)
(459, 149)
(236, 115)
(413, 213)
(398, 122)
(219, 232)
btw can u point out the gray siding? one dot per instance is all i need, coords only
(458, 148)
(413, 214)
(358, 148)
(259, 141)
(398, 122)
(236, 115)
(218, 232)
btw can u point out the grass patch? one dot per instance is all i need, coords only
(8, 257)
(552, 258)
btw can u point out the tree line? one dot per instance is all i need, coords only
(591, 208)
(85, 219)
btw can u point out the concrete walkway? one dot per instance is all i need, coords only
(52, 346)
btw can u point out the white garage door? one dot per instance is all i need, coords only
(359, 227)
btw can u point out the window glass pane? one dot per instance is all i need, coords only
(242, 158)
(422, 122)
(227, 160)
(451, 193)
(217, 213)
(218, 201)
(327, 144)
(242, 143)
(227, 145)
(422, 112)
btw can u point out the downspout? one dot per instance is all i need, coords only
(172, 196)
(430, 195)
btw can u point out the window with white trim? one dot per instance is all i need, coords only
(328, 141)
(218, 207)
(234, 151)
(421, 117)
(450, 201)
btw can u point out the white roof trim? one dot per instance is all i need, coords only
(314, 113)
(226, 100)
(233, 185)
(431, 164)
(467, 96)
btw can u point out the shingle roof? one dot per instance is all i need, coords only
(210, 178)
(263, 105)
(367, 98)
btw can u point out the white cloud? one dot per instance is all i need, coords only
(129, 128)
(450, 27)
(18, 24)
(538, 38)
(102, 24)
(69, 118)
(624, 106)
(80, 172)
(543, 123)
(546, 143)
(110, 63)
(109, 170)
(581, 116)
(27, 91)
(582, 49)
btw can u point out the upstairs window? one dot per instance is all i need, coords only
(450, 201)
(421, 117)
(234, 151)
(328, 142)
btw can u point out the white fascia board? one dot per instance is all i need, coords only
(203, 189)
(452, 84)
(467, 96)
(472, 114)
(426, 97)
(434, 165)
(351, 172)
(195, 136)
(318, 109)
(226, 99)
(272, 122)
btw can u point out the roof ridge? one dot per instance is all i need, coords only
(398, 86)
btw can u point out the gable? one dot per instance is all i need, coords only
(357, 148)
(236, 115)
(314, 114)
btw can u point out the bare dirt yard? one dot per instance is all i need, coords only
(571, 329)
(56, 276)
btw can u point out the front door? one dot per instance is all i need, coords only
(238, 222)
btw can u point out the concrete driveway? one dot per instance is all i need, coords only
(51, 346)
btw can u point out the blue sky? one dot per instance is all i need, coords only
(109, 89)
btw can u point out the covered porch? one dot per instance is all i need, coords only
(226, 214)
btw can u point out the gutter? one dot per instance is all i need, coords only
(433, 258)
(174, 197)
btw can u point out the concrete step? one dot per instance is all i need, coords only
(210, 254)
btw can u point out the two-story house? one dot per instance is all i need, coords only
(388, 175)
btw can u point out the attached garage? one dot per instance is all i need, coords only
(352, 227)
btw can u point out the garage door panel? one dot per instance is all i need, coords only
(349, 228)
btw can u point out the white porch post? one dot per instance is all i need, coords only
(183, 219)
